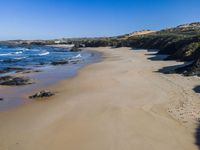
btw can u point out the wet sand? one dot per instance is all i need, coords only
(120, 103)
(48, 75)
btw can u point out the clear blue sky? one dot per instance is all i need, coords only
(46, 19)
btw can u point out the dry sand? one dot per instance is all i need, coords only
(121, 103)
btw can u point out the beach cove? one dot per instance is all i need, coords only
(122, 102)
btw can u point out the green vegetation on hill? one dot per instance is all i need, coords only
(180, 43)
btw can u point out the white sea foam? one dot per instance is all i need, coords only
(20, 58)
(78, 56)
(34, 50)
(44, 53)
(7, 54)
(23, 49)
(20, 52)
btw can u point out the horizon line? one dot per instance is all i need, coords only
(87, 37)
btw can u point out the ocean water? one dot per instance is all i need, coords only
(35, 56)
(39, 58)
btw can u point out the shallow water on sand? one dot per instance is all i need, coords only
(49, 75)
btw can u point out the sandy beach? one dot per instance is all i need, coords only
(120, 103)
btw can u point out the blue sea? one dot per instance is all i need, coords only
(35, 56)
(38, 58)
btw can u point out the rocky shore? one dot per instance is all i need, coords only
(23, 81)
(14, 81)
(122, 98)
(181, 43)
(42, 94)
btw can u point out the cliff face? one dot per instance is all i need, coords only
(180, 43)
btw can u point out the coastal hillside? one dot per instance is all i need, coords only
(181, 43)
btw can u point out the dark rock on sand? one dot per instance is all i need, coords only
(190, 70)
(42, 94)
(14, 81)
(75, 49)
(31, 71)
(75, 61)
(4, 78)
(14, 69)
(1, 99)
(2, 71)
(61, 62)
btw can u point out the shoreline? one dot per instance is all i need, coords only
(104, 107)
(47, 77)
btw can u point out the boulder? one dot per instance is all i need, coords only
(75, 49)
(17, 70)
(31, 71)
(75, 61)
(42, 94)
(14, 81)
(61, 62)
(3, 71)
(14, 69)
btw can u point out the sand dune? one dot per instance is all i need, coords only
(121, 103)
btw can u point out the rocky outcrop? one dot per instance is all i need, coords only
(76, 48)
(181, 43)
(190, 70)
(2, 71)
(14, 69)
(42, 94)
(61, 62)
(14, 81)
